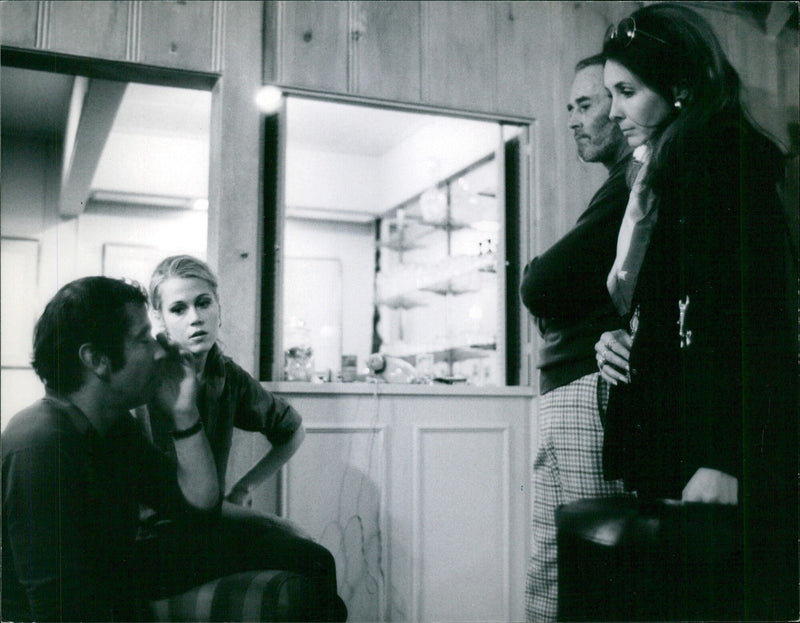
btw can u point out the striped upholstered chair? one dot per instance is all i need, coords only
(249, 596)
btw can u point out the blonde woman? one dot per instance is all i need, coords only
(185, 303)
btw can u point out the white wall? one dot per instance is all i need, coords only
(435, 152)
(72, 248)
(354, 245)
(331, 181)
(162, 165)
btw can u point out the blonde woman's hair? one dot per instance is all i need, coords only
(184, 267)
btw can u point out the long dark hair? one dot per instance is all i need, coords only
(677, 54)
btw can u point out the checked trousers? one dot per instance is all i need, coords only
(568, 467)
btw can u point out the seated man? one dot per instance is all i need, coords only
(76, 467)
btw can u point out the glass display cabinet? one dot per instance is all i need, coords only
(436, 277)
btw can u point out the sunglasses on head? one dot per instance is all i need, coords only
(625, 32)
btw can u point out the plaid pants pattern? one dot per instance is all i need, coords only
(568, 467)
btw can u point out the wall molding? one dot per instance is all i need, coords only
(133, 42)
(217, 35)
(43, 24)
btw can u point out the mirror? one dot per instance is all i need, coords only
(98, 177)
(394, 229)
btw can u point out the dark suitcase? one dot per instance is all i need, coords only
(620, 559)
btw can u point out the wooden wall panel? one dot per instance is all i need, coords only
(313, 43)
(459, 55)
(18, 22)
(235, 201)
(525, 71)
(83, 28)
(178, 34)
(388, 49)
(538, 46)
(579, 33)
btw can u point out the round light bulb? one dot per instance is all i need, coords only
(268, 99)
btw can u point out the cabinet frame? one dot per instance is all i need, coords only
(270, 353)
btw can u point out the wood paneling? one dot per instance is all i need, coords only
(179, 34)
(95, 29)
(525, 74)
(18, 21)
(387, 49)
(235, 203)
(313, 40)
(459, 54)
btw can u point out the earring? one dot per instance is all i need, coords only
(678, 104)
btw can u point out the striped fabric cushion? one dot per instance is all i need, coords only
(250, 596)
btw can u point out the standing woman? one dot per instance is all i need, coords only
(183, 294)
(703, 404)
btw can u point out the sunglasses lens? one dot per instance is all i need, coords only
(621, 34)
(626, 30)
(611, 34)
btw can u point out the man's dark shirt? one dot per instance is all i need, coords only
(70, 511)
(565, 287)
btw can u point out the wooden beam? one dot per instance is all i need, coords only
(84, 144)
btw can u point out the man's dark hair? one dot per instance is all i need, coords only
(597, 59)
(89, 310)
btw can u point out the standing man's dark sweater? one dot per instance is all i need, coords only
(564, 287)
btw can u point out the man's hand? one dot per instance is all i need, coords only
(613, 351)
(177, 391)
(711, 486)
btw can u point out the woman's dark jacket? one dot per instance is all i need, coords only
(728, 401)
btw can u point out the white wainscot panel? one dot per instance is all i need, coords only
(461, 524)
(335, 486)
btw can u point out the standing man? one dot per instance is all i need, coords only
(75, 465)
(565, 289)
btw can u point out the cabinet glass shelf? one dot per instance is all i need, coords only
(451, 286)
(450, 354)
(436, 278)
(402, 301)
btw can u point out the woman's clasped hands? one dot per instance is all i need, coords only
(613, 352)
